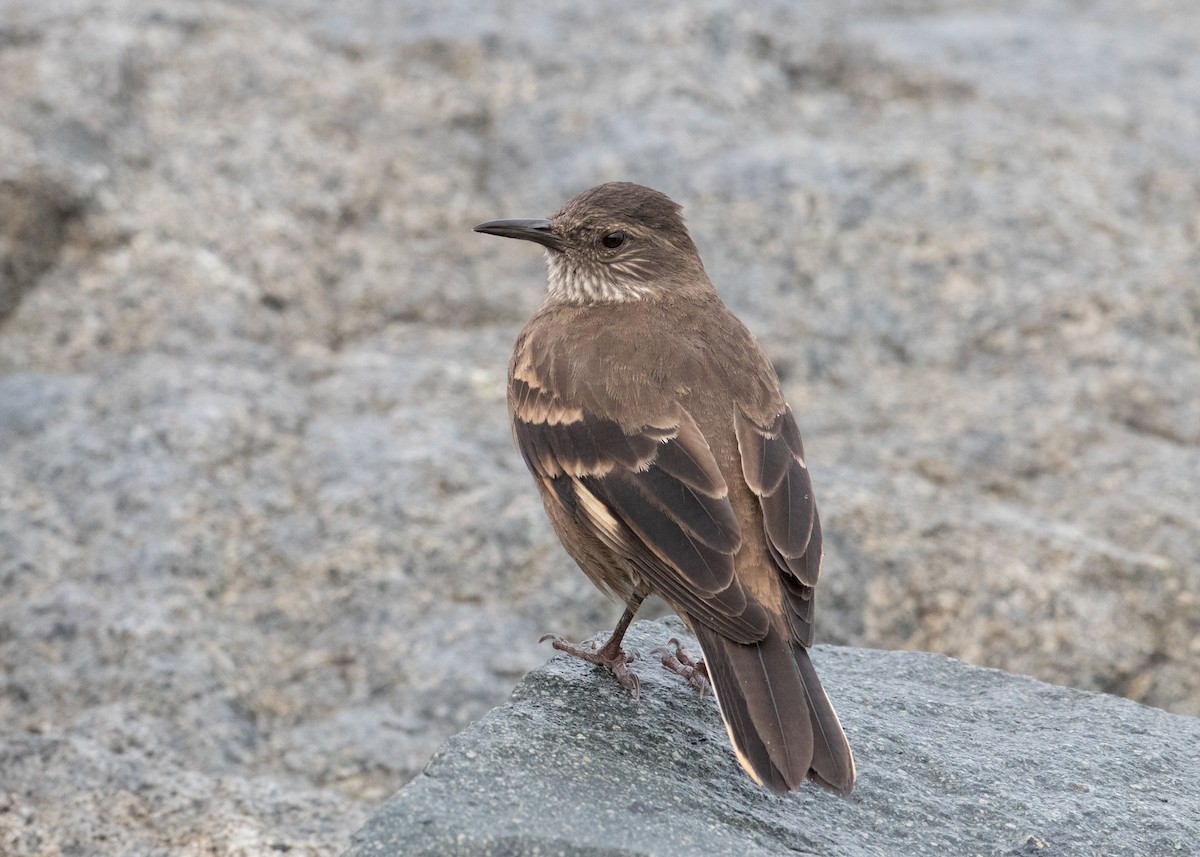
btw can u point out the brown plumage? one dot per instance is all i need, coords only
(669, 463)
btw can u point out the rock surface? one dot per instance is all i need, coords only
(952, 759)
(264, 539)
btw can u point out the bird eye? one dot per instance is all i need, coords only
(613, 240)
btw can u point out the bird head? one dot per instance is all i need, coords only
(615, 242)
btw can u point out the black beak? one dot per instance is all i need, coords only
(538, 231)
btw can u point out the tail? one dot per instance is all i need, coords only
(780, 722)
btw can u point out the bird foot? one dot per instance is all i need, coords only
(682, 663)
(616, 660)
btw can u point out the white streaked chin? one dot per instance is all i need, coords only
(568, 283)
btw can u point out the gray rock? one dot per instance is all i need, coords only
(258, 500)
(952, 759)
(134, 797)
(35, 212)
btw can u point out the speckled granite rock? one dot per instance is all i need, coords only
(258, 500)
(952, 759)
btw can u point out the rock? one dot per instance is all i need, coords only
(135, 798)
(34, 214)
(259, 503)
(952, 759)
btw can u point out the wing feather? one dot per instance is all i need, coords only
(774, 468)
(653, 495)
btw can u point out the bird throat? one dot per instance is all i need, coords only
(575, 283)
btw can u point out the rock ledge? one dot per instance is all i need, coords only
(952, 759)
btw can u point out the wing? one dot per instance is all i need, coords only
(774, 468)
(654, 496)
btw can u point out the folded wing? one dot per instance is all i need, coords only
(653, 495)
(774, 467)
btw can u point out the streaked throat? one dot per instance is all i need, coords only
(589, 284)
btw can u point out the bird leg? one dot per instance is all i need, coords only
(682, 663)
(610, 656)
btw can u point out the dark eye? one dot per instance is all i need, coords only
(613, 240)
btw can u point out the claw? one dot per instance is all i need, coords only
(615, 660)
(681, 663)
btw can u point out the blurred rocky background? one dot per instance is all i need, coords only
(264, 538)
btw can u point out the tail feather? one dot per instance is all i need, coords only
(780, 722)
(832, 762)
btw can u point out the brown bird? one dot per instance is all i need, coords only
(670, 464)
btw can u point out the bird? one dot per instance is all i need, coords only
(670, 464)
